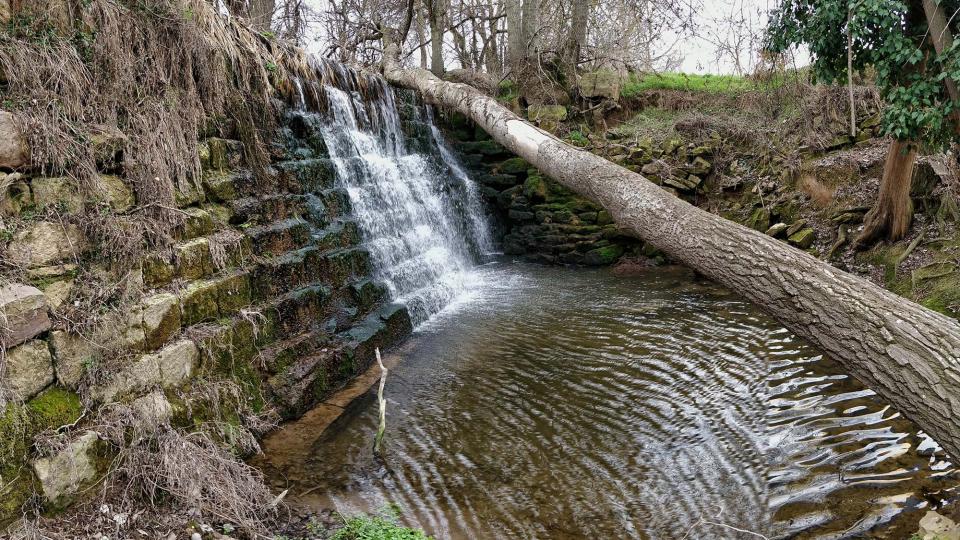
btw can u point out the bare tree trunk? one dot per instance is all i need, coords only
(853, 103)
(515, 49)
(421, 36)
(576, 38)
(436, 11)
(908, 354)
(892, 212)
(530, 24)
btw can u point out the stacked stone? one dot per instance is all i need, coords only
(542, 221)
(266, 285)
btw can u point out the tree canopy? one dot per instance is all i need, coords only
(890, 38)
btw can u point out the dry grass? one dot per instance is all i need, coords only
(820, 194)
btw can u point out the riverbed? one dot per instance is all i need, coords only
(562, 403)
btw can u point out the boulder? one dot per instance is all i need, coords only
(602, 83)
(777, 230)
(151, 411)
(796, 226)
(71, 470)
(58, 292)
(14, 150)
(46, 243)
(547, 116)
(933, 526)
(699, 166)
(29, 369)
(72, 354)
(118, 194)
(16, 195)
(60, 193)
(803, 238)
(23, 313)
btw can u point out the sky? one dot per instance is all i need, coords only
(699, 52)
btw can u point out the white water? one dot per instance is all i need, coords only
(420, 214)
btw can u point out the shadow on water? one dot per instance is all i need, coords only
(576, 404)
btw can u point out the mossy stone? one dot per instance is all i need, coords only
(517, 165)
(199, 302)
(603, 256)
(803, 238)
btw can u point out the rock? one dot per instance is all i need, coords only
(669, 146)
(603, 256)
(690, 183)
(24, 309)
(61, 193)
(759, 220)
(547, 116)
(604, 218)
(177, 362)
(73, 469)
(118, 194)
(777, 230)
(58, 292)
(46, 243)
(933, 526)
(802, 239)
(106, 143)
(152, 411)
(515, 165)
(652, 169)
(16, 196)
(29, 369)
(602, 83)
(699, 166)
(848, 217)
(169, 367)
(71, 355)
(4, 12)
(731, 183)
(161, 319)
(14, 150)
(796, 226)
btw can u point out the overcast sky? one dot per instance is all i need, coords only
(699, 52)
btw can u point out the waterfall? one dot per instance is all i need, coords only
(420, 214)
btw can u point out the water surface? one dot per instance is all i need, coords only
(571, 403)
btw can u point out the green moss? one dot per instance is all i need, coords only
(55, 407)
(714, 84)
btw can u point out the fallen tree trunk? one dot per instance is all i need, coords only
(906, 353)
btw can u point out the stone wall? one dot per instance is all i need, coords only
(266, 287)
(537, 219)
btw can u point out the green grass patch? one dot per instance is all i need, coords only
(684, 81)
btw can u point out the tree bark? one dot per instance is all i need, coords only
(515, 50)
(906, 353)
(892, 212)
(436, 11)
(576, 38)
(530, 23)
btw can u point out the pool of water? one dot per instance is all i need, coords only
(570, 403)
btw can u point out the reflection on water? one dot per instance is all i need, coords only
(576, 404)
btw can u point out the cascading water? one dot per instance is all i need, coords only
(420, 214)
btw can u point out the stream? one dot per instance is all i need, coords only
(549, 402)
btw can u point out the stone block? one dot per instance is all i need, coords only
(233, 293)
(192, 259)
(14, 150)
(72, 354)
(199, 302)
(161, 319)
(61, 193)
(72, 469)
(16, 196)
(23, 313)
(29, 369)
(176, 362)
(118, 195)
(46, 243)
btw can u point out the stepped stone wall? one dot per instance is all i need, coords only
(538, 219)
(266, 286)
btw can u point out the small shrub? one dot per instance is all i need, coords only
(378, 527)
(578, 139)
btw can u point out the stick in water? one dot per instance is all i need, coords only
(378, 440)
